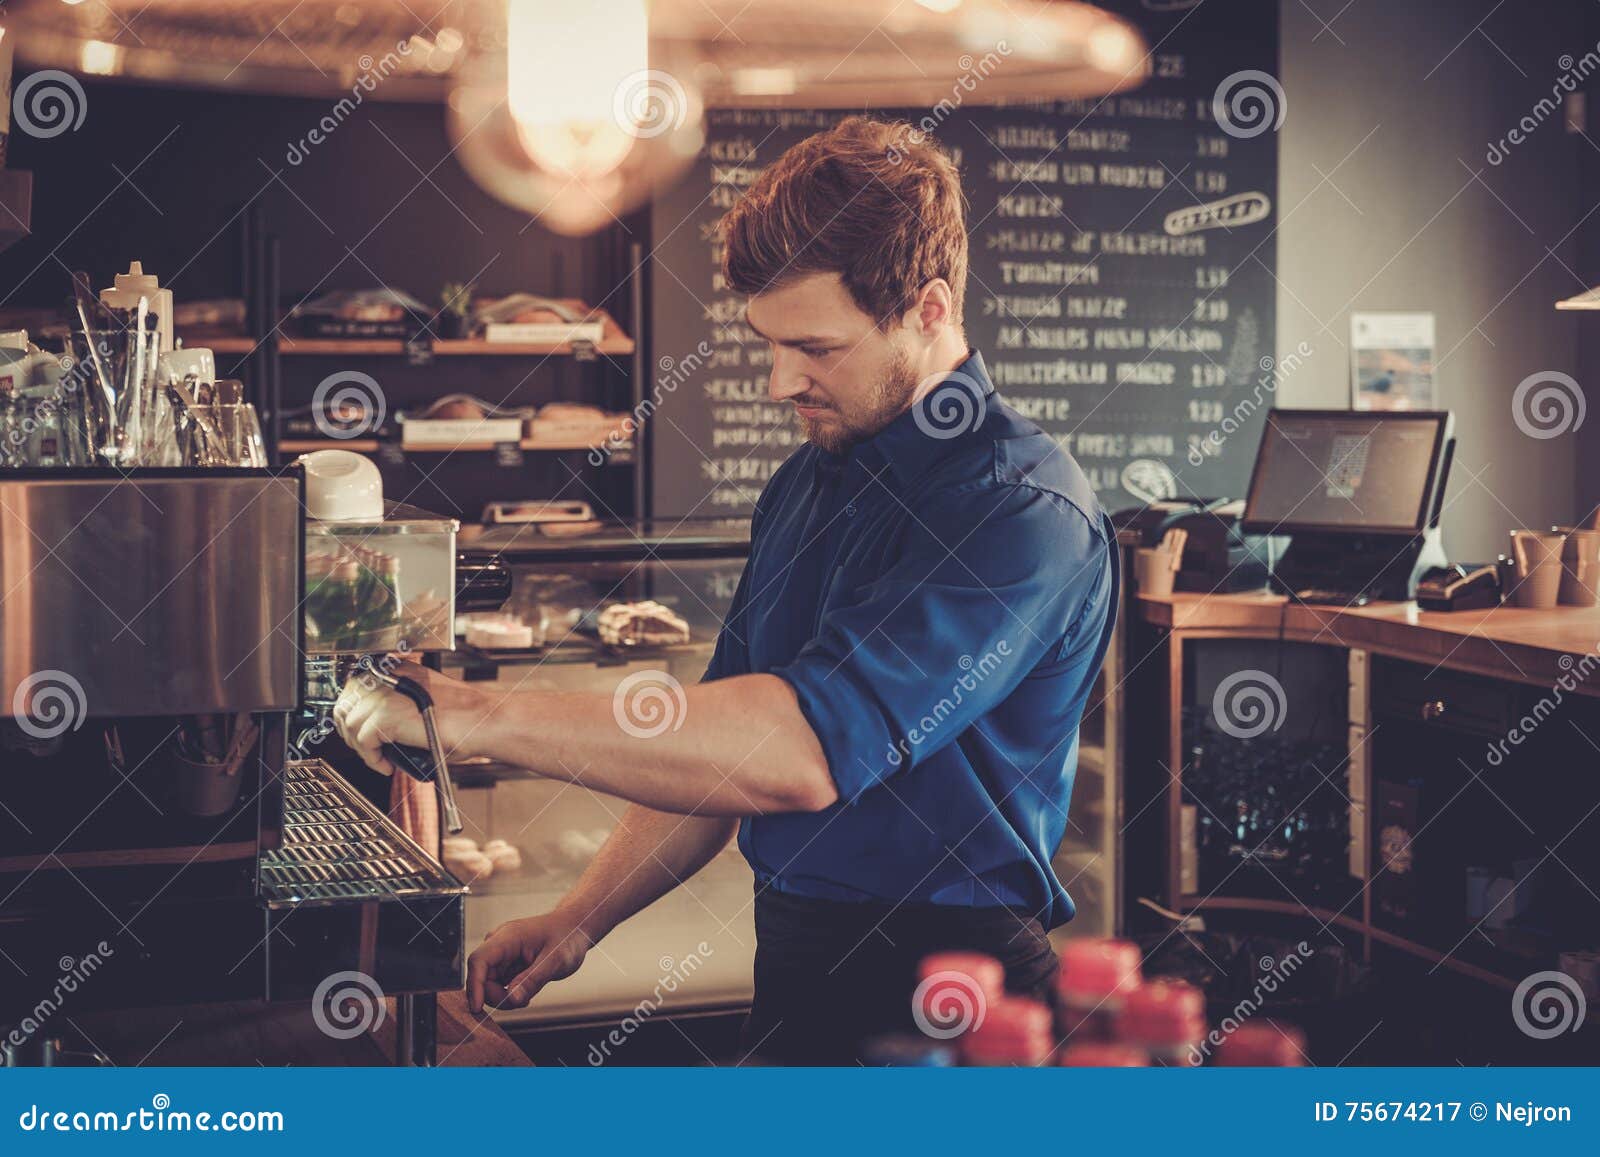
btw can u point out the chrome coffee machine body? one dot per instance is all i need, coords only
(149, 656)
(153, 818)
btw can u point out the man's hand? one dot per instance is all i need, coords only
(520, 957)
(369, 714)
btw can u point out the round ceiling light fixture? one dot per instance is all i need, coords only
(577, 112)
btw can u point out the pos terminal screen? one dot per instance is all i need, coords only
(1345, 471)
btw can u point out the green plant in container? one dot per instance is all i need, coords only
(455, 318)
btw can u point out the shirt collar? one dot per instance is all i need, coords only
(951, 411)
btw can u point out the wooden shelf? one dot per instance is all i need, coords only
(370, 445)
(613, 342)
(219, 343)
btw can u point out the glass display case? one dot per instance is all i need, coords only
(693, 950)
(636, 608)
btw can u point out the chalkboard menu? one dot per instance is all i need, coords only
(1122, 273)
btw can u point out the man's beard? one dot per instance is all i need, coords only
(882, 402)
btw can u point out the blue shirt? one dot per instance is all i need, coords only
(940, 598)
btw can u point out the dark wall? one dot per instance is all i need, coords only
(163, 176)
(380, 200)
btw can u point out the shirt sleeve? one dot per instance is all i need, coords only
(988, 586)
(731, 655)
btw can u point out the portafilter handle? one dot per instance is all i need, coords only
(418, 694)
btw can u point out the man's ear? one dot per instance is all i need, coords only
(932, 311)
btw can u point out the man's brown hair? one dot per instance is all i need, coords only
(872, 201)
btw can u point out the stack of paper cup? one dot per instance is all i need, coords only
(1580, 568)
(1536, 556)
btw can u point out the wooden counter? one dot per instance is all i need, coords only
(1524, 646)
(254, 1032)
(1532, 647)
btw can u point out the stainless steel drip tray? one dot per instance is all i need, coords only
(347, 890)
(337, 848)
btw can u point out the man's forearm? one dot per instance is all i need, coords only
(734, 747)
(648, 855)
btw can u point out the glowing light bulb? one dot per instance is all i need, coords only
(565, 66)
(570, 116)
(99, 58)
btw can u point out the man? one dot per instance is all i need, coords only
(889, 721)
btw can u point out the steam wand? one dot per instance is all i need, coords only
(408, 758)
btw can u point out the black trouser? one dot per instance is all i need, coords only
(830, 975)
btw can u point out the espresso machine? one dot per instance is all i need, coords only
(384, 584)
(159, 642)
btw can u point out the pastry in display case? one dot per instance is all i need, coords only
(608, 595)
(643, 624)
